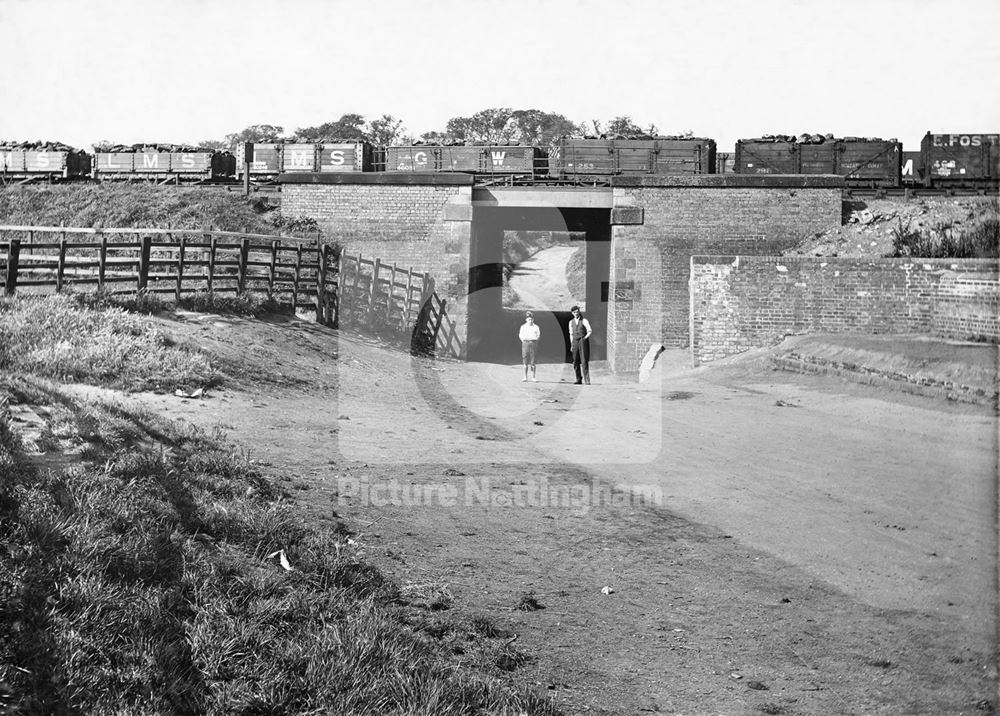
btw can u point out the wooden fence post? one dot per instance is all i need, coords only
(145, 245)
(355, 298)
(295, 279)
(321, 284)
(13, 253)
(102, 261)
(390, 294)
(274, 267)
(241, 275)
(61, 262)
(180, 267)
(372, 290)
(211, 261)
(407, 305)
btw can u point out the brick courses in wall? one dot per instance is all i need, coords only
(423, 227)
(744, 302)
(650, 262)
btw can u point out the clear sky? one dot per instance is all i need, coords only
(183, 71)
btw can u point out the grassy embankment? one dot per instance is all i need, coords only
(142, 563)
(978, 238)
(143, 206)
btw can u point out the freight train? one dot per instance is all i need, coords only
(945, 161)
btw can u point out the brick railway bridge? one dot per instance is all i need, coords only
(640, 234)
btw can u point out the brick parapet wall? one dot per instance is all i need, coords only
(650, 262)
(426, 228)
(744, 302)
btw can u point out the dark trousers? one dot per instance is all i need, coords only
(581, 359)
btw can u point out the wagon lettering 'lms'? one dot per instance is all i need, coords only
(337, 157)
(300, 159)
(964, 140)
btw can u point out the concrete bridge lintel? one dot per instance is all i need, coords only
(560, 197)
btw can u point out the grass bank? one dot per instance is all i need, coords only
(147, 567)
(111, 205)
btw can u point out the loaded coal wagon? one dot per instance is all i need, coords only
(589, 157)
(863, 162)
(163, 164)
(500, 159)
(269, 159)
(25, 162)
(959, 161)
(326, 157)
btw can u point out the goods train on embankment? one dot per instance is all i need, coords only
(944, 161)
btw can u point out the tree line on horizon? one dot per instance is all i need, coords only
(496, 125)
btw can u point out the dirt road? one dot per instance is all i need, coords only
(540, 282)
(721, 540)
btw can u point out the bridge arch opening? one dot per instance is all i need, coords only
(542, 259)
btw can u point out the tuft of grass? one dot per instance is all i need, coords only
(246, 304)
(980, 240)
(249, 303)
(527, 602)
(62, 338)
(148, 582)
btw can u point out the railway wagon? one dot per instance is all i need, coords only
(163, 164)
(608, 157)
(265, 160)
(24, 163)
(476, 159)
(326, 157)
(862, 162)
(873, 163)
(960, 160)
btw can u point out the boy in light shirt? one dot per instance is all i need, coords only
(529, 335)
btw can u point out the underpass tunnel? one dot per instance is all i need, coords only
(542, 259)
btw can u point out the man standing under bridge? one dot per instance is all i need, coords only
(579, 345)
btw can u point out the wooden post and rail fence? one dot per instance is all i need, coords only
(40, 259)
(354, 291)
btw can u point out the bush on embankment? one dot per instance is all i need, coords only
(976, 239)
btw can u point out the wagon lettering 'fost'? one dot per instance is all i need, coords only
(964, 140)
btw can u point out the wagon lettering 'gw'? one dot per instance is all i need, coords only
(498, 158)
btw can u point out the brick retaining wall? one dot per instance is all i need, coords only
(744, 302)
(425, 227)
(650, 261)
